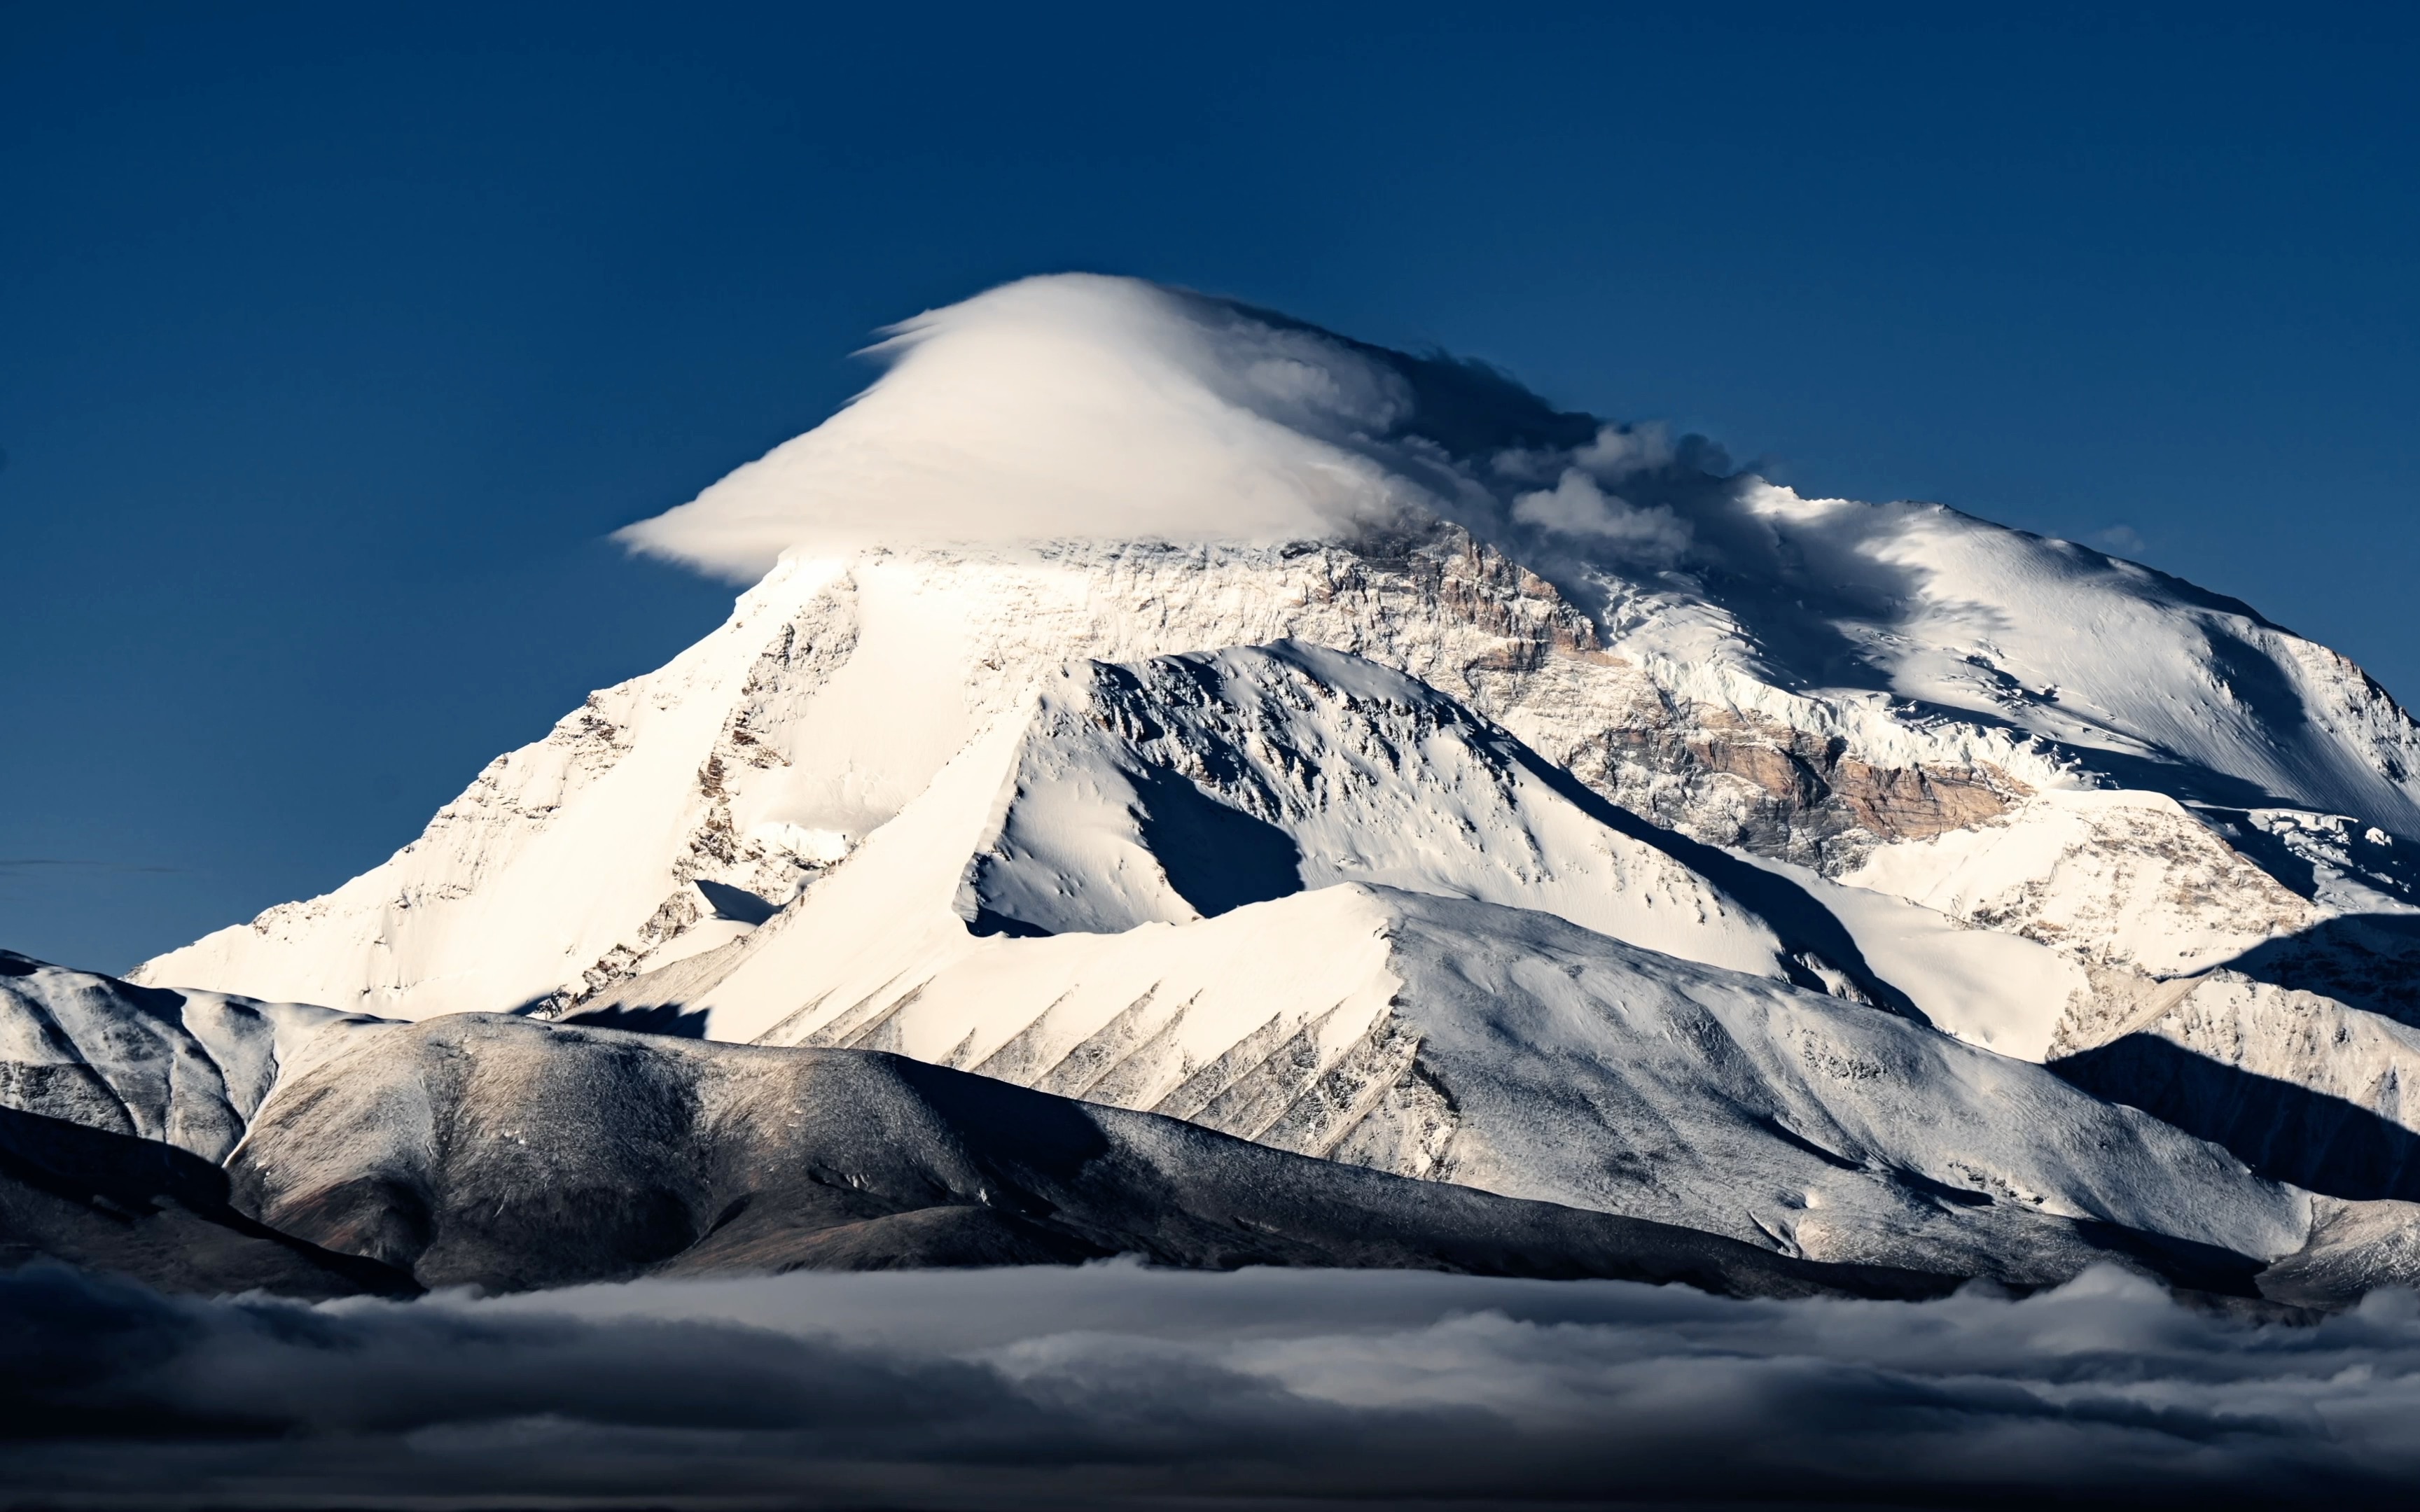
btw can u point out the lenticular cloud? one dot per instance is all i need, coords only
(1067, 406)
(1078, 406)
(1115, 1386)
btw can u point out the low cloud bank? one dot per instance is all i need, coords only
(1114, 1386)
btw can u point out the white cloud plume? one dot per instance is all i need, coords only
(1066, 407)
(1086, 406)
(1619, 452)
(1114, 1386)
(1577, 506)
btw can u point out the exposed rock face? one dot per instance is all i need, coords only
(1716, 774)
(1793, 794)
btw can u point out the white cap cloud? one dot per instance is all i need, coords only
(1072, 406)
(1577, 506)
(1083, 407)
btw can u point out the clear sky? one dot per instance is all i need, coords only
(334, 338)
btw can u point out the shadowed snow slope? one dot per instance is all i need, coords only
(117, 1104)
(147, 1210)
(1580, 1106)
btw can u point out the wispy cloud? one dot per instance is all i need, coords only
(1115, 1386)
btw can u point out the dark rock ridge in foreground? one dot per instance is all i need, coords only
(204, 1143)
(147, 1210)
(507, 1154)
(208, 1143)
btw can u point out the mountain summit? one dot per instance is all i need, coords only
(1152, 700)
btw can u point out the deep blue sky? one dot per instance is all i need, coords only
(334, 338)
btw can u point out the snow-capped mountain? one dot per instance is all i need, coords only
(1152, 698)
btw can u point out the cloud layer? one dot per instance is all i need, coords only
(1114, 1386)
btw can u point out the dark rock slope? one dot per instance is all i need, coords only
(141, 1208)
(511, 1153)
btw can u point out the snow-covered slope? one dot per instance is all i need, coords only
(1650, 1102)
(504, 1152)
(1180, 787)
(1102, 409)
(838, 694)
(188, 1069)
(2139, 677)
(2117, 878)
(828, 700)
(2304, 1087)
(1510, 1050)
